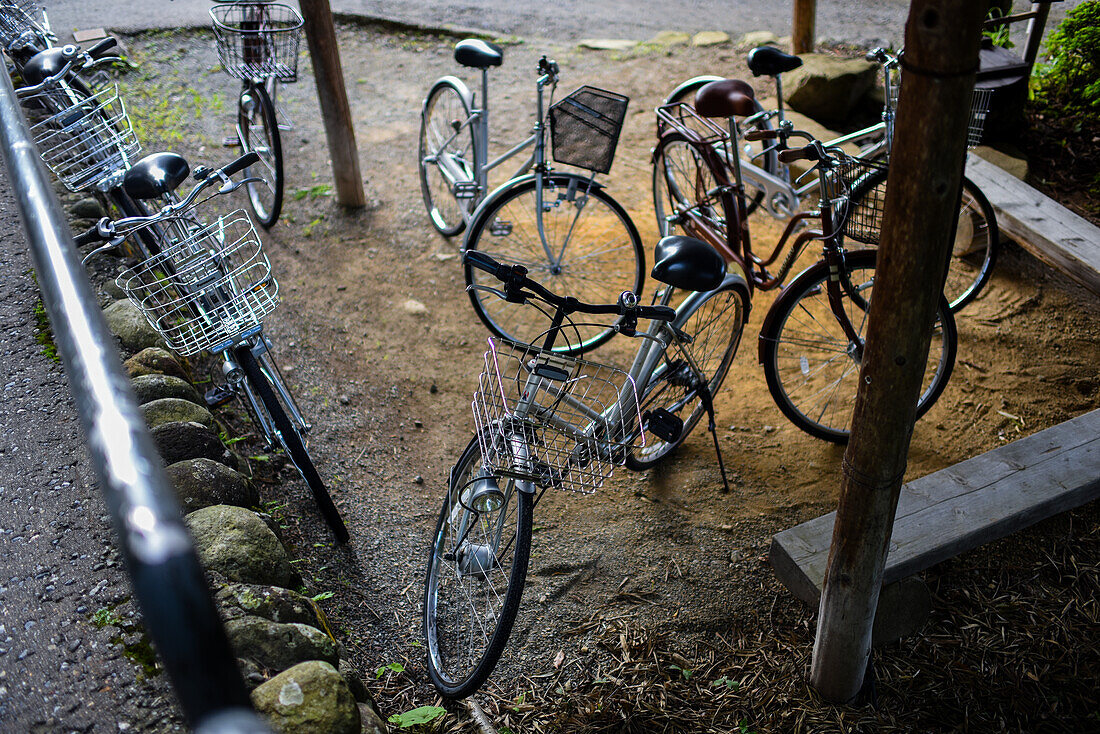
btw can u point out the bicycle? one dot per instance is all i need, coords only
(768, 180)
(811, 340)
(563, 225)
(209, 290)
(545, 419)
(257, 43)
(23, 24)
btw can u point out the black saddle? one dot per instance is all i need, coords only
(478, 54)
(46, 63)
(688, 263)
(770, 61)
(725, 98)
(155, 175)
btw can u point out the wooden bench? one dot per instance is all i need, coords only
(955, 509)
(1039, 224)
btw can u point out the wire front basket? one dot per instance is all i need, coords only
(979, 108)
(208, 288)
(585, 127)
(23, 16)
(83, 138)
(258, 40)
(862, 216)
(554, 420)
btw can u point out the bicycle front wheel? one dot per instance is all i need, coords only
(811, 366)
(477, 566)
(974, 247)
(447, 156)
(715, 320)
(266, 386)
(583, 244)
(258, 131)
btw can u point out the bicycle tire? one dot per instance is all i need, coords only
(463, 651)
(716, 321)
(290, 439)
(807, 359)
(597, 246)
(683, 179)
(447, 104)
(974, 247)
(258, 132)
(759, 152)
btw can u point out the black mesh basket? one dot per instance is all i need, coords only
(860, 203)
(585, 127)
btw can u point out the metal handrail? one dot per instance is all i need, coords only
(167, 578)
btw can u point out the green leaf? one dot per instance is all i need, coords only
(322, 596)
(395, 667)
(419, 715)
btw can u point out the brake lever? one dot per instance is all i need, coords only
(498, 293)
(109, 245)
(230, 186)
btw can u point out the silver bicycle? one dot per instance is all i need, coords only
(545, 420)
(561, 226)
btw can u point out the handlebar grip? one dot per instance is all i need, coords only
(481, 261)
(809, 153)
(246, 160)
(761, 135)
(91, 235)
(657, 313)
(99, 50)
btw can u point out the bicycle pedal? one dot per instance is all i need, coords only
(218, 396)
(231, 141)
(465, 190)
(662, 424)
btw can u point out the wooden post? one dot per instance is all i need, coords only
(321, 36)
(802, 32)
(941, 58)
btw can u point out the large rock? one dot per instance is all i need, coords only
(371, 720)
(237, 544)
(270, 602)
(828, 88)
(311, 697)
(204, 482)
(175, 410)
(154, 361)
(148, 388)
(89, 208)
(186, 440)
(275, 646)
(128, 323)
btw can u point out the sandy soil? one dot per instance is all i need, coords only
(388, 387)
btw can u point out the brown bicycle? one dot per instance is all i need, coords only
(811, 342)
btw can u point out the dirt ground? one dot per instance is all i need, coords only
(661, 556)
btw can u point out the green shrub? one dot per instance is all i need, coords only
(1072, 78)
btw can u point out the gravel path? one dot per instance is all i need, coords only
(64, 664)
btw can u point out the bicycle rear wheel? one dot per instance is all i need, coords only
(974, 247)
(477, 566)
(591, 251)
(258, 131)
(811, 366)
(716, 321)
(447, 156)
(683, 180)
(262, 381)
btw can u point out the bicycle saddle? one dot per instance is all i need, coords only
(769, 61)
(478, 54)
(155, 174)
(725, 98)
(688, 263)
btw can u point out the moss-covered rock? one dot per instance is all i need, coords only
(186, 440)
(311, 697)
(275, 646)
(128, 323)
(203, 482)
(148, 388)
(237, 544)
(270, 602)
(154, 361)
(175, 410)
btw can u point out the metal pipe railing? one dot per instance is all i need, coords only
(167, 578)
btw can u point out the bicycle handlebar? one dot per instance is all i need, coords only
(106, 230)
(518, 287)
(99, 50)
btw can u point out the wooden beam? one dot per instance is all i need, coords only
(926, 164)
(802, 31)
(335, 110)
(1039, 224)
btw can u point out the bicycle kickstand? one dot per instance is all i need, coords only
(708, 404)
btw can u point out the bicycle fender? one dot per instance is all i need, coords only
(460, 85)
(818, 270)
(695, 83)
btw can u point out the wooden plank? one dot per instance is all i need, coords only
(962, 506)
(1039, 224)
